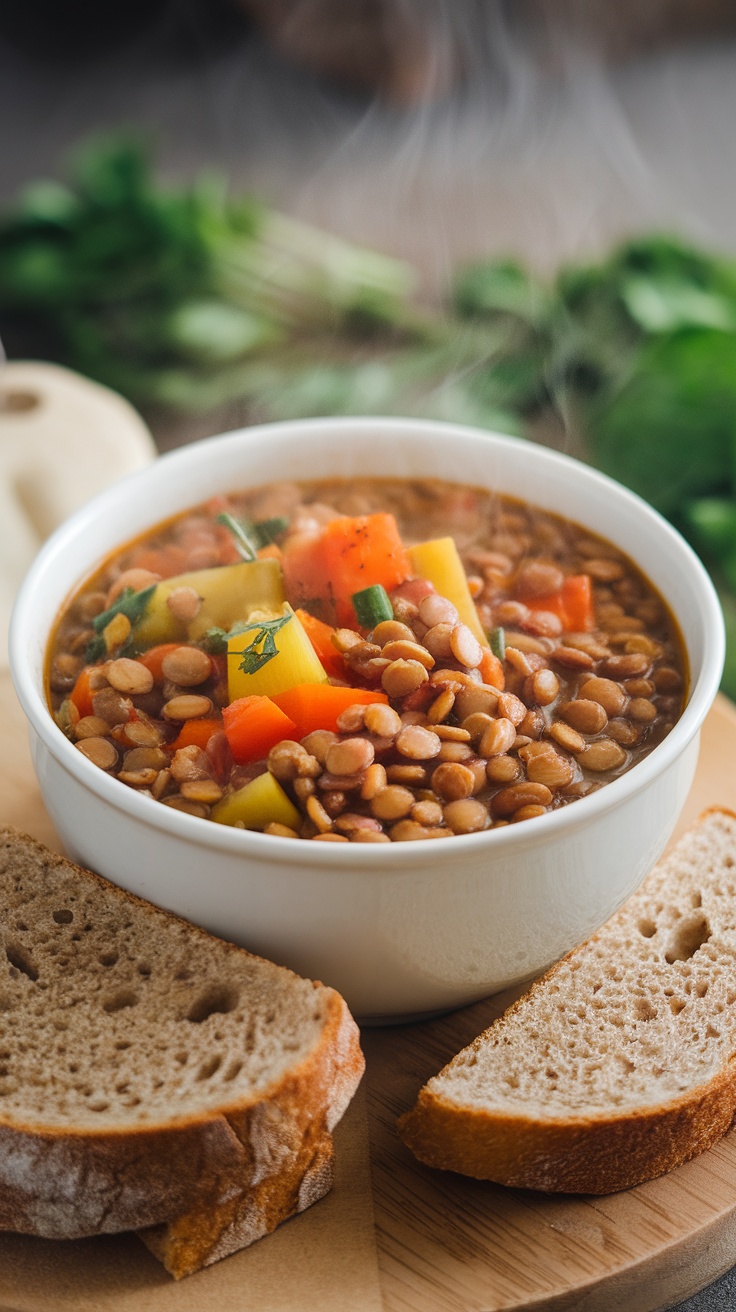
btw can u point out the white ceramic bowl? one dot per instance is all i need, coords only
(417, 927)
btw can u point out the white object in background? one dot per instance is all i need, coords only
(62, 440)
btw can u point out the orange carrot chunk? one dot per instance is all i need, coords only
(573, 604)
(350, 554)
(313, 706)
(81, 693)
(253, 725)
(195, 733)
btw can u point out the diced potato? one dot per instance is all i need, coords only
(229, 593)
(296, 661)
(260, 803)
(439, 562)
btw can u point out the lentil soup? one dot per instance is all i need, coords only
(379, 662)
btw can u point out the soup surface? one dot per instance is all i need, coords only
(372, 662)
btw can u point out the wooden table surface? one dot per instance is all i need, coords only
(431, 1241)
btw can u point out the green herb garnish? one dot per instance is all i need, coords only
(266, 531)
(129, 603)
(215, 640)
(262, 647)
(243, 541)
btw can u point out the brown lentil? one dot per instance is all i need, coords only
(129, 676)
(417, 743)
(373, 781)
(382, 720)
(427, 813)
(402, 677)
(510, 707)
(503, 769)
(586, 716)
(142, 733)
(508, 800)
(622, 731)
(350, 756)
(100, 751)
(317, 744)
(465, 646)
(566, 736)
(440, 708)
(391, 631)
(528, 813)
(434, 609)
(624, 667)
(454, 752)
(608, 694)
(604, 754)
(451, 733)
(498, 738)
(641, 710)
(452, 781)
(187, 706)
(91, 726)
(318, 815)
(392, 803)
(438, 641)
(201, 790)
(407, 774)
(187, 666)
(466, 816)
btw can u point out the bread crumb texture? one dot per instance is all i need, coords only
(639, 1015)
(115, 1014)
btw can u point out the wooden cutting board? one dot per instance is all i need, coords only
(433, 1242)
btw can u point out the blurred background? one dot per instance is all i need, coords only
(512, 213)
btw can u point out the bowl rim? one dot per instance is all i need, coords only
(270, 849)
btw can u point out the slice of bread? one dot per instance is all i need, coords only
(152, 1075)
(620, 1063)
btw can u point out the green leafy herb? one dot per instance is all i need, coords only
(215, 640)
(262, 647)
(243, 541)
(268, 530)
(96, 648)
(130, 603)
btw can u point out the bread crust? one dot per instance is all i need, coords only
(596, 1154)
(266, 1153)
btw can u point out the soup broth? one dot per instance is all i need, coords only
(380, 662)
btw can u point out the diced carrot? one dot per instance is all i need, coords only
(350, 554)
(491, 670)
(154, 658)
(320, 635)
(359, 552)
(81, 694)
(195, 733)
(253, 725)
(573, 604)
(317, 705)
